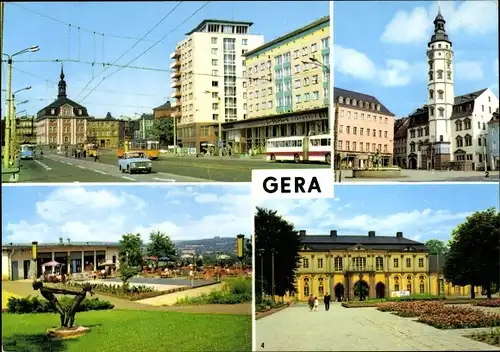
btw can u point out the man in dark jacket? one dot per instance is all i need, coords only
(327, 300)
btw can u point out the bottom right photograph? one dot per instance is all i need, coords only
(379, 267)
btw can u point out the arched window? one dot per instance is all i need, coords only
(378, 107)
(396, 283)
(321, 287)
(458, 125)
(460, 141)
(354, 102)
(367, 105)
(431, 111)
(426, 130)
(441, 112)
(440, 74)
(306, 286)
(440, 94)
(66, 139)
(412, 146)
(408, 283)
(431, 94)
(468, 140)
(341, 100)
(419, 145)
(347, 101)
(422, 284)
(431, 75)
(360, 104)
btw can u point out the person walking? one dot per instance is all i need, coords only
(327, 299)
(310, 303)
(316, 304)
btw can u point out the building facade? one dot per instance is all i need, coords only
(77, 257)
(449, 132)
(163, 111)
(209, 88)
(400, 145)
(105, 133)
(494, 142)
(380, 265)
(287, 89)
(25, 130)
(63, 122)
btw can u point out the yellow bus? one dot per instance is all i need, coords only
(150, 148)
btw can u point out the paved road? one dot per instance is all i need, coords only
(58, 168)
(429, 176)
(355, 329)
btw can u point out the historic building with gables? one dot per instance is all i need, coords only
(63, 122)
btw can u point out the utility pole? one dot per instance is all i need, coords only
(175, 132)
(13, 128)
(1, 44)
(7, 135)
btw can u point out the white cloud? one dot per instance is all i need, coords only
(353, 63)
(469, 70)
(416, 26)
(88, 214)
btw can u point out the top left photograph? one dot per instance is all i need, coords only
(163, 91)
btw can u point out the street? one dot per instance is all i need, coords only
(59, 168)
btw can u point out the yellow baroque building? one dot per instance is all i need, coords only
(339, 265)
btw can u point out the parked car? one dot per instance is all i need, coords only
(135, 162)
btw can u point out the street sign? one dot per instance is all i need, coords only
(221, 143)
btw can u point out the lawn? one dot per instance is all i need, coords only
(121, 330)
(5, 298)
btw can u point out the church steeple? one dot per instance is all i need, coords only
(62, 85)
(439, 29)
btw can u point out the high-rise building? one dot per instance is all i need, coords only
(208, 78)
(288, 87)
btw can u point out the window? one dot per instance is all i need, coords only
(214, 51)
(321, 287)
(305, 263)
(315, 79)
(395, 264)
(244, 41)
(324, 43)
(408, 262)
(440, 74)
(215, 83)
(306, 286)
(215, 73)
(214, 40)
(422, 284)
(337, 263)
(408, 283)
(215, 62)
(315, 95)
(359, 263)
(215, 106)
(314, 48)
(320, 263)
(431, 94)
(396, 283)
(440, 94)
(420, 262)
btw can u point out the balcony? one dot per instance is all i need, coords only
(175, 64)
(175, 54)
(175, 94)
(175, 74)
(359, 269)
(176, 83)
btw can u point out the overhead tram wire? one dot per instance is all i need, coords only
(148, 49)
(132, 47)
(83, 29)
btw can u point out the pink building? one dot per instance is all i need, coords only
(365, 135)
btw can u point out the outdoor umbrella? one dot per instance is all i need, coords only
(51, 263)
(164, 259)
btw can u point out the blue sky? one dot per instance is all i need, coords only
(105, 213)
(421, 212)
(380, 48)
(132, 91)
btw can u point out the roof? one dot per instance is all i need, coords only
(64, 244)
(494, 118)
(325, 19)
(331, 242)
(401, 127)
(339, 92)
(204, 22)
(60, 102)
(419, 117)
(469, 97)
(165, 106)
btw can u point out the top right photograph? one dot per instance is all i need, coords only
(417, 91)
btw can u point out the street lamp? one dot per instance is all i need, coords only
(219, 122)
(316, 62)
(8, 135)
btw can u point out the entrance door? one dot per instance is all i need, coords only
(15, 270)
(26, 269)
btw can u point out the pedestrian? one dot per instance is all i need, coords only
(41, 154)
(310, 303)
(96, 156)
(316, 304)
(327, 299)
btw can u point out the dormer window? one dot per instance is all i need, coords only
(347, 101)
(372, 106)
(341, 100)
(360, 104)
(354, 102)
(52, 111)
(378, 107)
(367, 105)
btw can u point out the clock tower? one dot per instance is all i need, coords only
(440, 95)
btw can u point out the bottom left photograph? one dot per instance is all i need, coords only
(127, 268)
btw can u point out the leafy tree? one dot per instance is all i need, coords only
(130, 251)
(473, 255)
(109, 116)
(199, 262)
(127, 272)
(273, 233)
(161, 245)
(163, 130)
(436, 247)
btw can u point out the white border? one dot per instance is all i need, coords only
(331, 87)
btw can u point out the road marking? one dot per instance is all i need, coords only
(163, 179)
(99, 171)
(46, 167)
(67, 162)
(80, 166)
(128, 178)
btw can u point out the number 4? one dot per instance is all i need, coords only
(262, 345)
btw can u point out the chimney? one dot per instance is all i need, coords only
(371, 233)
(399, 234)
(333, 233)
(302, 233)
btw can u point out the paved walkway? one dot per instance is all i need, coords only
(354, 329)
(429, 176)
(171, 298)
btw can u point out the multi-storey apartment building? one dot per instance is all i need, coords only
(365, 130)
(287, 89)
(378, 265)
(449, 131)
(63, 122)
(208, 78)
(493, 142)
(25, 130)
(400, 133)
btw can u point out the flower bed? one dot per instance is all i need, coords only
(495, 302)
(442, 316)
(36, 305)
(132, 293)
(491, 337)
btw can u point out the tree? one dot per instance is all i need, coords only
(163, 130)
(273, 233)
(130, 251)
(247, 257)
(109, 116)
(161, 245)
(436, 247)
(473, 255)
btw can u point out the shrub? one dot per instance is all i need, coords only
(491, 337)
(411, 308)
(460, 318)
(489, 303)
(131, 292)
(234, 291)
(30, 304)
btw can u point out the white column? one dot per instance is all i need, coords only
(83, 261)
(95, 260)
(53, 257)
(68, 263)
